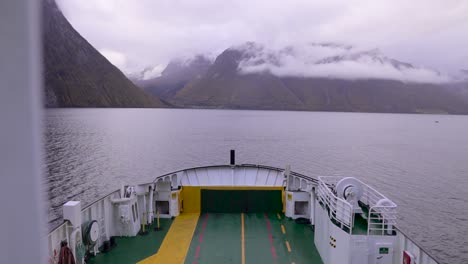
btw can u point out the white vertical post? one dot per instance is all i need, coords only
(232, 176)
(144, 217)
(151, 210)
(287, 173)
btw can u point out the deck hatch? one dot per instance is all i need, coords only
(241, 201)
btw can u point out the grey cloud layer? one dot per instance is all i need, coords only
(333, 61)
(137, 34)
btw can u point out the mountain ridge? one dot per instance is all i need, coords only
(224, 85)
(77, 75)
(175, 76)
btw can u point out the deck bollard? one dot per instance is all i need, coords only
(143, 226)
(158, 227)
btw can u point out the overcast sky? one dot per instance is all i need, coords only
(140, 33)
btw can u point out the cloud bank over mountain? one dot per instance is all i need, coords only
(152, 32)
(332, 61)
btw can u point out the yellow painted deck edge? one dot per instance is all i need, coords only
(288, 246)
(191, 199)
(175, 245)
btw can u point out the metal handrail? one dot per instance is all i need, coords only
(296, 174)
(85, 208)
(340, 211)
(199, 167)
(369, 195)
(381, 219)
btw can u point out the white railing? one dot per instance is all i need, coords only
(381, 220)
(94, 211)
(382, 215)
(339, 210)
(407, 244)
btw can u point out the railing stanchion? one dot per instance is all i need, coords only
(158, 227)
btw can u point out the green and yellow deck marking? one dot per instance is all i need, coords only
(175, 246)
(134, 249)
(218, 238)
(299, 242)
(251, 238)
(288, 246)
(223, 225)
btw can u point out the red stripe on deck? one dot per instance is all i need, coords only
(200, 238)
(270, 237)
(197, 252)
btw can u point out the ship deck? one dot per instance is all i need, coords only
(219, 238)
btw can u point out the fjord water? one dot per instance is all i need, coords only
(419, 163)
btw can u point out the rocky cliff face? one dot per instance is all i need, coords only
(77, 75)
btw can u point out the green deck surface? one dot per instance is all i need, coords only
(218, 234)
(134, 249)
(360, 225)
(301, 238)
(217, 239)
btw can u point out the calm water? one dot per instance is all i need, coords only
(420, 164)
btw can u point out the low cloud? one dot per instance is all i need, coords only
(333, 61)
(152, 72)
(118, 59)
(153, 32)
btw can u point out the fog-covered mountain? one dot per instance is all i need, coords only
(332, 61)
(77, 75)
(464, 75)
(317, 77)
(175, 76)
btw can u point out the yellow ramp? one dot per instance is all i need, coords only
(175, 245)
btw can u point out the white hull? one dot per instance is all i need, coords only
(225, 175)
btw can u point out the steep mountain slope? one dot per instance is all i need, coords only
(77, 75)
(175, 76)
(223, 87)
(249, 77)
